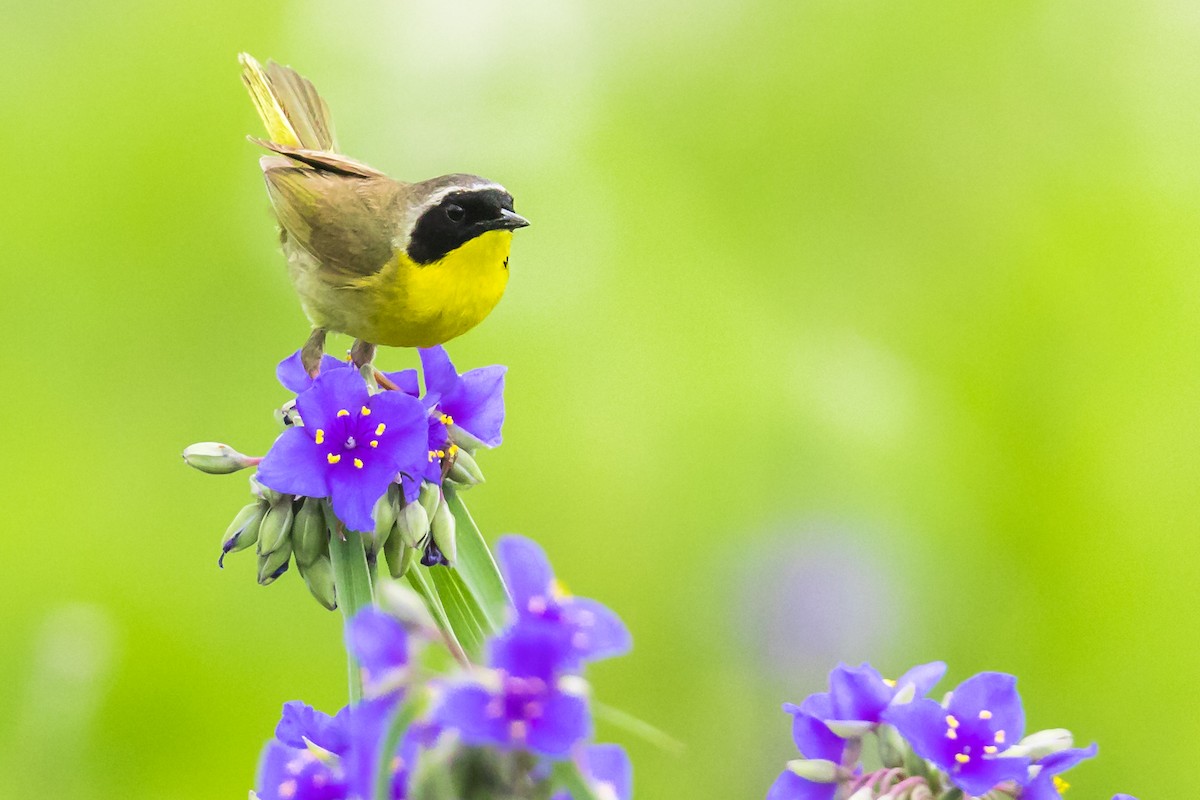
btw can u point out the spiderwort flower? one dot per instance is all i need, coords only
(471, 403)
(814, 740)
(1046, 785)
(350, 448)
(594, 632)
(967, 736)
(525, 702)
(858, 696)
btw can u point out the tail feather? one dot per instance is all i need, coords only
(288, 105)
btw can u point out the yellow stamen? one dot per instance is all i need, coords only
(343, 413)
(962, 758)
(374, 443)
(447, 419)
(889, 682)
(333, 458)
(985, 714)
(432, 455)
(1061, 785)
(379, 429)
(366, 412)
(358, 463)
(990, 749)
(453, 449)
(951, 733)
(999, 737)
(951, 721)
(320, 437)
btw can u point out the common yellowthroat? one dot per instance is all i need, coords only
(387, 262)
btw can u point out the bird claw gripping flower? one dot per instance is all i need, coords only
(971, 745)
(362, 451)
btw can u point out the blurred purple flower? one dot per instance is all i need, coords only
(861, 695)
(291, 374)
(965, 738)
(594, 631)
(608, 770)
(351, 447)
(380, 645)
(524, 702)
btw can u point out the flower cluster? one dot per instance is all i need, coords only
(973, 744)
(363, 451)
(494, 731)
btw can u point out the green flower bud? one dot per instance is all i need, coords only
(216, 458)
(275, 530)
(430, 498)
(413, 524)
(310, 539)
(1043, 743)
(385, 516)
(286, 415)
(847, 730)
(405, 605)
(262, 492)
(272, 565)
(398, 554)
(892, 747)
(243, 531)
(442, 528)
(318, 577)
(817, 770)
(464, 470)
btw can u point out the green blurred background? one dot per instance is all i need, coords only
(844, 330)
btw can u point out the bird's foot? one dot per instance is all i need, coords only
(313, 350)
(362, 353)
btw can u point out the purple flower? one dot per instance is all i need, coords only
(523, 702)
(318, 757)
(861, 695)
(291, 374)
(965, 738)
(380, 644)
(814, 740)
(473, 403)
(351, 447)
(1046, 784)
(608, 770)
(593, 630)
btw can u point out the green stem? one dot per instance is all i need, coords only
(352, 583)
(567, 775)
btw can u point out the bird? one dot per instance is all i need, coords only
(385, 261)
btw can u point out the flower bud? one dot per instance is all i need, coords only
(1043, 743)
(892, 747)
(397, 553)
(464, 470)
(430, 498)
(406, 605)
(847, 729)
(385, 516)
(262, 492)
(310, 539)
(817, 770)
(276, 528)
(413, 523)
(216, 458)
(243, 531)
(318, 577)
(274, 564)
(442, 528)
(287, 416)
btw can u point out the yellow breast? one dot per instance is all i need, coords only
(421, 306)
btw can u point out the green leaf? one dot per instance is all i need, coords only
(567, 775)
(418, 578)
(643, 730)
(459, 612)
(480, 575)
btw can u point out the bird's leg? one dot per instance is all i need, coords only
(310, 354)
(362, 353)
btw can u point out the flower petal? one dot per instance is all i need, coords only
(534, 648)
(564, 722)
(790, 786)
(300, 721)
(290, 774)
(477, 405)
(464, 708)
(609, 764)
(295, 465)
(859, 693)
(378, 641)
(525, 568)
(979, 775)
(923, 676)
(406, 381)
(813, 738)
(1064, 760)
(923, 724)
(994, 693)
(332, 391)
(599, 632)
(440, 375)
(354, 494)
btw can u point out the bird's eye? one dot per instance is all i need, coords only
(455, 213)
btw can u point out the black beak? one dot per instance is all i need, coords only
(510, 220)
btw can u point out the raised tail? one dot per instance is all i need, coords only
(288, 105)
